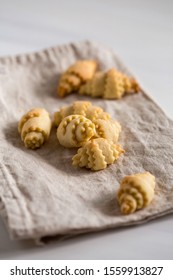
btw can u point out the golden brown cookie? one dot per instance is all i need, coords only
(109, 85)
(76, 75)
(75, 130)
(96, 154)
(95, 86)
(117, 84)
(136, 191)
(34, 128)
(108, 129)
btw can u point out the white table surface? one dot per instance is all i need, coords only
(141, 32)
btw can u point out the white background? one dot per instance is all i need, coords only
(141, 33)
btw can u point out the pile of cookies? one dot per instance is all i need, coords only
(90, 129)
(83, 77)
(80, 125)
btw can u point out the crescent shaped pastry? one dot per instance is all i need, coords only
(34, 128)
(96, 154)
(136, 192)
(76, 75)
(108, 129)
(109, 85)
(75, 130)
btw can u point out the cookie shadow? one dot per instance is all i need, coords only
(107, 204)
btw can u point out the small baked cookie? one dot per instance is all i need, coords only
(136, 191)
(34, 128)
(117, 84)
(84, 108)
(108, 129)
(109, 85)
(95, 112)
(96, 154)
(75, 130)
(76, 75)
(95, 86)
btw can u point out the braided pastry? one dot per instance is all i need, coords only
(96, 154)
(75, 130)
(136, 192)
(34, 128)
(77, 74)
(84, 108)
(109, 85)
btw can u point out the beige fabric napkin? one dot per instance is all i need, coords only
(41, 194)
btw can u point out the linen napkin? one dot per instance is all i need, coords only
(41, 193)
